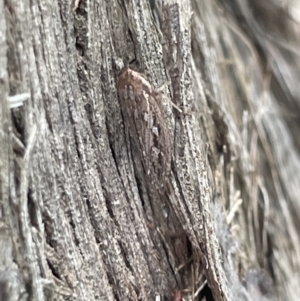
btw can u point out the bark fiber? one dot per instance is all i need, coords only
(80, 219)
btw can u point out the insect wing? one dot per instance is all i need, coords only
(142, 112)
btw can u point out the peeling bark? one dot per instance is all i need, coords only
(80, 216)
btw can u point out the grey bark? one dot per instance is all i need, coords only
(80, 220)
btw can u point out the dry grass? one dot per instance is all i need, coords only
(252, 74)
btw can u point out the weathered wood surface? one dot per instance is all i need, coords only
(80, 218)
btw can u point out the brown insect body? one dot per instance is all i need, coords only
(144, 118)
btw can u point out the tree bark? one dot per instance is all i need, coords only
(82, 217)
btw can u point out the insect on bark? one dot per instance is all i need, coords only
(144, 118)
